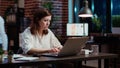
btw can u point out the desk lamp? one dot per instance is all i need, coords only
(85, 11)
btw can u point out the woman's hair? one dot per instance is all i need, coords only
(37, 16)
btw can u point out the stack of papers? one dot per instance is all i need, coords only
(27, 58)
(24, 58)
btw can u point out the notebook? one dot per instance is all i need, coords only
(72, 46)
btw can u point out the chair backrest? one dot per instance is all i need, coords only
(20, 51)
(20, 39)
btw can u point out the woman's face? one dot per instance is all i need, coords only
(45, 22)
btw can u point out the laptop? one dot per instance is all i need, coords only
(72, 46)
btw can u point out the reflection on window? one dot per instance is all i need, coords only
(115, 13)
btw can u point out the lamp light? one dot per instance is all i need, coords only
(85, 11)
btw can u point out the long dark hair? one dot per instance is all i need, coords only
(37, 16)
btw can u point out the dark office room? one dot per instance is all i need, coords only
(83, 33)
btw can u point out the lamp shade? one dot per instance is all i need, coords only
(85, 11)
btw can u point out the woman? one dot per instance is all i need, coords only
(3, 36)
(38, 38)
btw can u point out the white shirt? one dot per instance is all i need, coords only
(29, 41)
(3, 35)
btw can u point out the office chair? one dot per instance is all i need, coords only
(20, 51)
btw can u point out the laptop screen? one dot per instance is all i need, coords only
(77, 29)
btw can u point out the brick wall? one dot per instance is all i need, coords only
(4, 4)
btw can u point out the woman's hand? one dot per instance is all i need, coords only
(54, 50)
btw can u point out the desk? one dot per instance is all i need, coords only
(50, 60)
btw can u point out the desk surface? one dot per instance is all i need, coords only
(51, 60)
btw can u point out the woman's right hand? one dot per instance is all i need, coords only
(54, 50)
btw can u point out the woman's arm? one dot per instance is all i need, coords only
(55, 43)
(3, 35)
(38, 51)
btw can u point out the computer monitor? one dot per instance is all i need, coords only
(77, 29)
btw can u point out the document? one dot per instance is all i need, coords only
(24, 58)
(27, 58)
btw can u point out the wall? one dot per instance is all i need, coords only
(4, 4)
(116, 30)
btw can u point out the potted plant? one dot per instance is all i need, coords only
(10, 55)
(96, 23)
(47, 5)
(1, 54)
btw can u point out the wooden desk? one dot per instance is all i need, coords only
(50, 60)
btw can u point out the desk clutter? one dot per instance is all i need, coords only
(17, 57)
(86, 51)
(23, 60)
